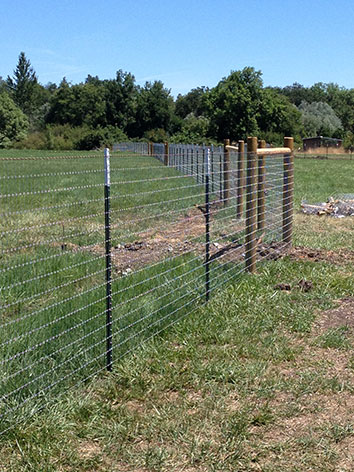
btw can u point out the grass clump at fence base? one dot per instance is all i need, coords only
(247, 381)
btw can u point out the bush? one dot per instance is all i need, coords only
(100, 137)
(34, 140)
(65, 137)
(157, 135)
(13, 122)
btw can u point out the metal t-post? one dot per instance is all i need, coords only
(251, 203)
(107, 186)
(207, 223)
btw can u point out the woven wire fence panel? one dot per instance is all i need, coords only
(132, 147)
(170, 233)
(189, 159)
(158, 151)
(274, 166)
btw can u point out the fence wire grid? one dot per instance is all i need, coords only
(100, 254)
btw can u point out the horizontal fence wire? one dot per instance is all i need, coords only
(166, 231)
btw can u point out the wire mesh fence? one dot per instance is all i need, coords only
(101, 253)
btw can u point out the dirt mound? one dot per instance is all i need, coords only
(342, 256)
(343, 315)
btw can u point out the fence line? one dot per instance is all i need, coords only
(100, 253)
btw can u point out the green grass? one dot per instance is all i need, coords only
(53, 292)
(316, 181)
(243, 383)
(212, 394)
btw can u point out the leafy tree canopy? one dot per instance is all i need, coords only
(155, 108)
(319, 118)
(192, 102)
(233, 105)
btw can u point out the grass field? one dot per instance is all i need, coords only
(52, 267)
(255, 380)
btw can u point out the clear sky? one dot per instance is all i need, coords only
(184, 43)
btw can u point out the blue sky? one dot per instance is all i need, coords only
(184, 43)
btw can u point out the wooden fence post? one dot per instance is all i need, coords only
(288, 192)
(251, 200)
(226, 178)
(166, 154)
(261, 188)
(240, 179)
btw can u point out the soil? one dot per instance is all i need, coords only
(338, 257)
(186, 235)
(343, 315)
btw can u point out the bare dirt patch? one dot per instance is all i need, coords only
(343, 315)
(186, 235)
(317, 411)
(88, 449)
(339, 257)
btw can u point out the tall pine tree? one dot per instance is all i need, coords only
(23, 86)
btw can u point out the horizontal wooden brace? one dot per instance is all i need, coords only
(266, 151)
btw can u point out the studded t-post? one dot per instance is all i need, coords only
(251, 200)
(240, 179)
(261, 188)
(226, 172)
(288, 192)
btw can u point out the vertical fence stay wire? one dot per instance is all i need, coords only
(99, 253)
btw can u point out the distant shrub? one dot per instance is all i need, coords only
(100, 137)
(34, 140)
(13, 122)
(65, 137)
(157, 135)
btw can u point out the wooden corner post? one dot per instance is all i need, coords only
(165, 159)
(240, 181)
(288, 192)
(261, 188)
(251, 201)
(226, 173)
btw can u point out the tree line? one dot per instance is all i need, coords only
(97, 112)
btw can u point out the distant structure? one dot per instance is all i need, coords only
(321, 141)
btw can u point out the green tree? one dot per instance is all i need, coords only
(319, 118)
(194, 130)
(3, 86)
(121, 100)
(13, 122)
(23, 86)
(296, 93)
(62, 105)
(348, 141)
(192, 102)
(233, 105)
(278, 115)
(81, 104)
(155, 109)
